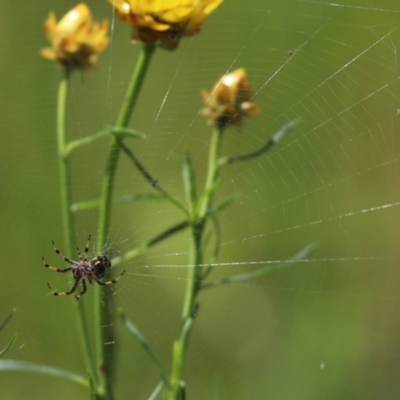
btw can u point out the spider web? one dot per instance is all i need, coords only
(326, 328)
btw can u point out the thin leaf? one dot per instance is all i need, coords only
(118, 131)
(144, 343)
(189, 183)
(139, 166)
(221, 205)
(300, 256)
(85, 205)
(4, 323)
(93, 204)
(277, 137)
(203, 199)
(9, 345)
(122, 131)
(141, 197)
(25, 366)
(217, 245)
(156, 391)
(146, 245)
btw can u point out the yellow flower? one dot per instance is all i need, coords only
(163, 20)
(230, 100)
(77, 39)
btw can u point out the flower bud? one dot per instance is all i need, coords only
(230, 100)
(77, 39)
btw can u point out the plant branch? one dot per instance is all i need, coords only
(146, 245)
(102, 319)
(150, 178)
(156, 391)
(277, 137)
(200, 210)
(212, 174)
(10, 343)
(67, 218)
(25, 366)
(117, 131)
(9, 316)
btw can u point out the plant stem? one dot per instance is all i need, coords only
(188, 314)
(195, 261)
(212, 173)
(101, 312)
(67, 217)
(63, 165)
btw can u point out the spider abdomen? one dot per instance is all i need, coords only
(101, 265)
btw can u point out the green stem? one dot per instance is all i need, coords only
(212, 173)
(195, 273)
(63, 165)
(67, 217)
(101, 312)
(188, 314)
(75, 144)
(195, 262)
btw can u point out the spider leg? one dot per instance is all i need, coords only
(78, 296)
(55, 293)
(79, 254)
(109, 282)
(61, 255)
(54, 268)
(87, 248)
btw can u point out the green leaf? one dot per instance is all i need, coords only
(25, 366)
(9, 345)
(85, 205)
(122, 131)
(300, 256)
(4, 323)
(275, 138)
(144, 343)
(146, 245)
(156, 391)
(189, 183)
(141, 197)
(153, 182)
(224, 203)
(217, 245)
(118, 131)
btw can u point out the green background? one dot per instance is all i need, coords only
(326, 329)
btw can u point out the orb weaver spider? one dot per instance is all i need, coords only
(92, 270)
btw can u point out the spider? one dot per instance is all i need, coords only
(93, 270)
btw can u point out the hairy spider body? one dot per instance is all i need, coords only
(92, 270)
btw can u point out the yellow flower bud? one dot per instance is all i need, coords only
(163, 20)
(77, 39)
(230, 100)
